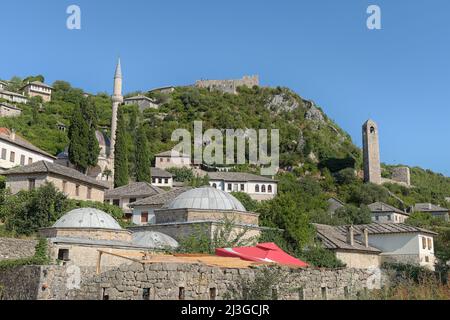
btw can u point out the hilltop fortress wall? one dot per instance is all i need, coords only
(228, 86)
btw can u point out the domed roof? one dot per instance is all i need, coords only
(87, 218)
(152, 239)
(207, 198)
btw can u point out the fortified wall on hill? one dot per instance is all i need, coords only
(228, 86)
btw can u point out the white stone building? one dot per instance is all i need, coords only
(16, 151)
(401, 243)
(38, 89)
(257, 187)
(3, 85)
(9, 110)
(142, 102)
(395, 242)
(384, 213)
(13, 97)
(172, 159)
(161, 178)
(351, 251)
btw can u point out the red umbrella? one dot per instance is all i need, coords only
(264, 252)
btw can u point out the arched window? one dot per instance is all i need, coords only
(372, 129)
(257, 188)
(214, 185)
(263, 188)
(269, 189)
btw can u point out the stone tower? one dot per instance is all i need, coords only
(117, 99)
(371, 156)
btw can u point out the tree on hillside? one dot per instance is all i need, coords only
(83, 145)
(15, 84)
(142, 157)
(78, 137)
(121, 176)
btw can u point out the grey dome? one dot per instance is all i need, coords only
(207, 198)
(152, 239)
(87, 218)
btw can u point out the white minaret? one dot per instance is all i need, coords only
(117, 99)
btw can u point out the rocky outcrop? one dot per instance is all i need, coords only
(282, 102)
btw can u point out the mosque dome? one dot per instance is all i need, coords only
(206, 198)
(87, 218)
(152, 239)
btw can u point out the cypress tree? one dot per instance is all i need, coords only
(142, 156)
(83, 146)
(78, 136)
(121, 176)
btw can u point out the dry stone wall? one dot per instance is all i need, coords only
(171, 281)
(16, 248)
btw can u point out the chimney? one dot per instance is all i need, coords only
(429, 206)
(366, 237)
(350, 235)
(13, 134)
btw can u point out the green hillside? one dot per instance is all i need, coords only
(318, 159)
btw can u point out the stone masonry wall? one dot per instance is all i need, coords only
(165, 281)
(16, 248)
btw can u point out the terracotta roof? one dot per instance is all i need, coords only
(238, 177)
(160, 173)
(335, 238)
(136, 189)
(160, 199)
(383, 207)
(387, 228)
(5, 134)
(48, 167)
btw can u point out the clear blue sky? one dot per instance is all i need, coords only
(322, 49)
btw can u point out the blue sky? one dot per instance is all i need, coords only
(322, 49)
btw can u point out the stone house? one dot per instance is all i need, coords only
(257, 187)
(9, 110)
(334, 204)
(400, 243)
(13, 97)
(3, 85)
(161, 178)
(69, 181)
(17, 151)
(172, 159)
(144, 210)
(123, 196)
(351, 251)
(384, 213)
(434, 210)
(38, 89)
(142, 102)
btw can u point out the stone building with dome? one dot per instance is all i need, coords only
(203, 209)
(82, 234)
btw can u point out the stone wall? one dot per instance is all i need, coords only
(16, 248)
(170, 281)
(228, 86)
(402, 174)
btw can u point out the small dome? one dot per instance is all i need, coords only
(206, 198)
(87, 218)
(152, 239)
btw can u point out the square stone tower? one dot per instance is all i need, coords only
(371, 156)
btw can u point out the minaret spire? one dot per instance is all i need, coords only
(117, 99)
